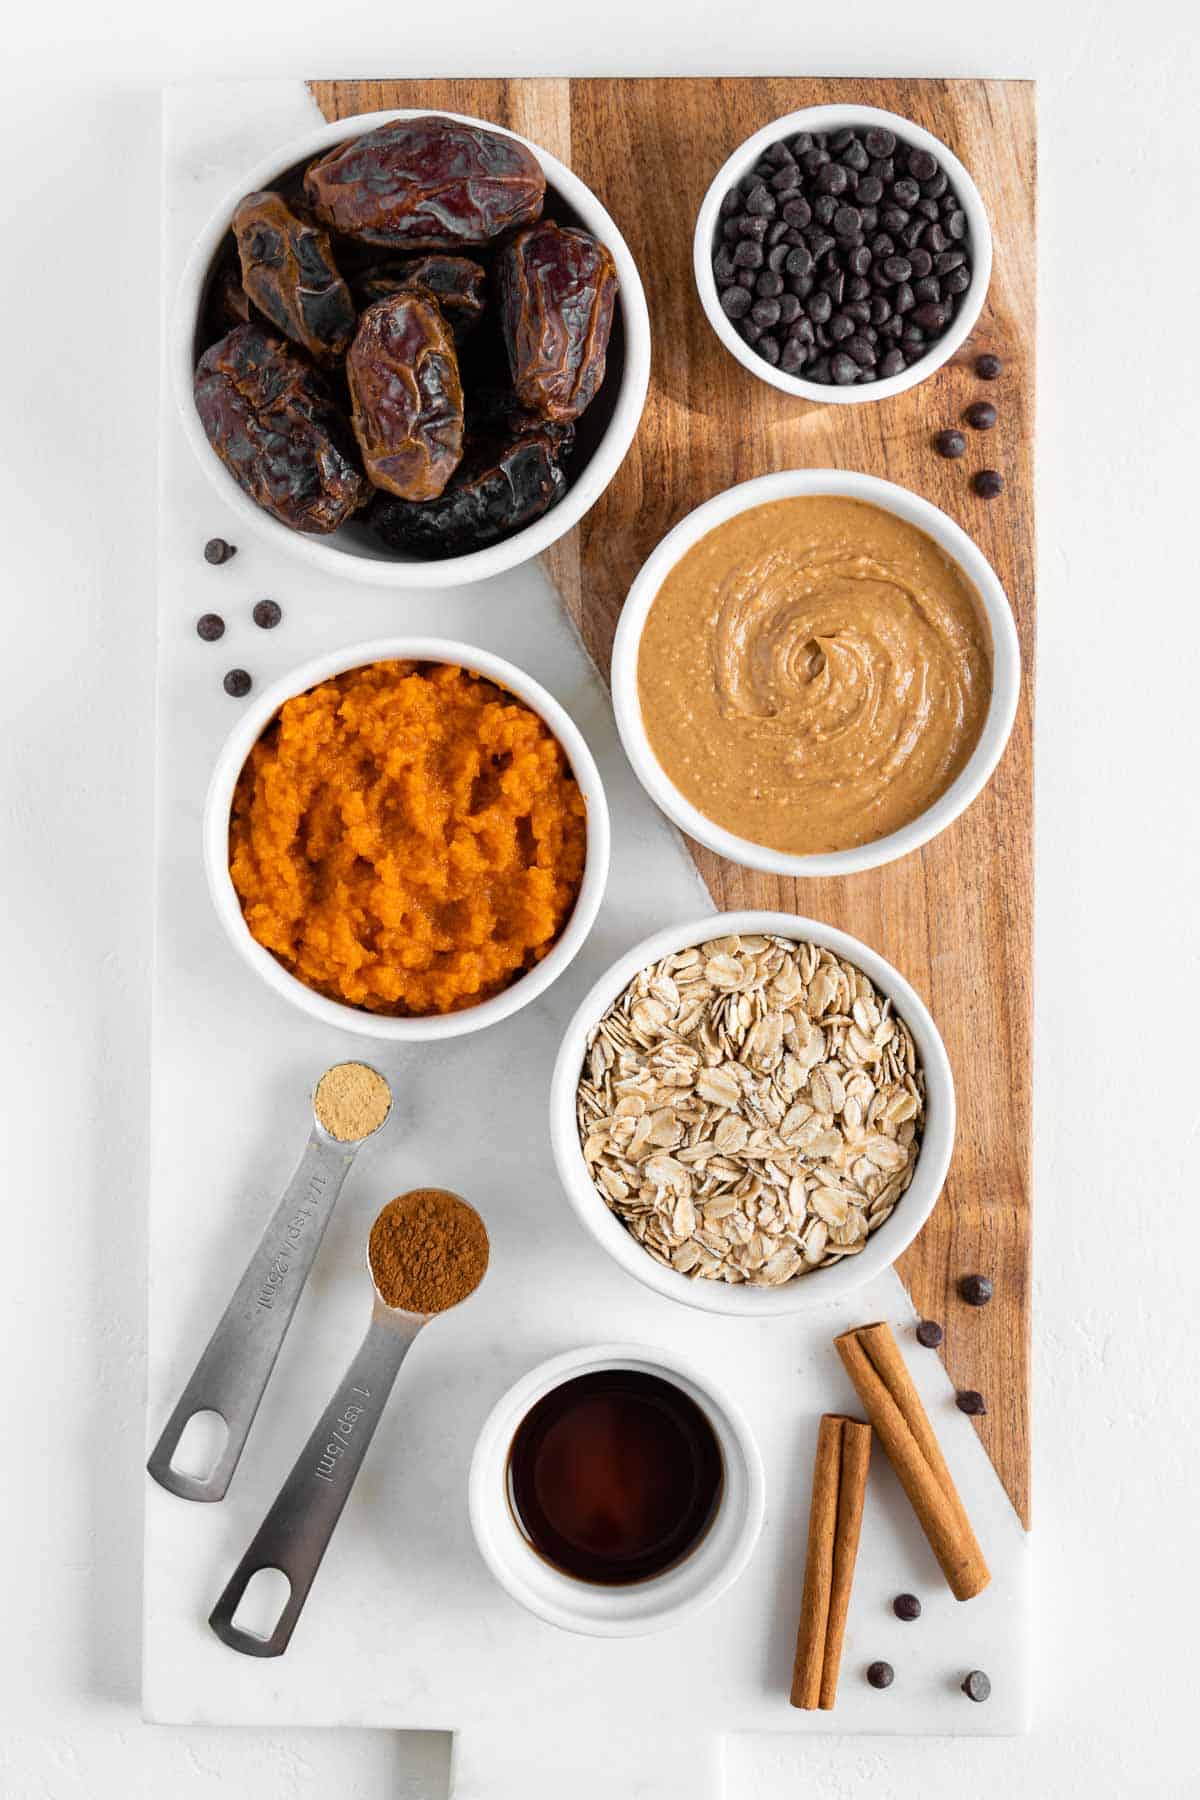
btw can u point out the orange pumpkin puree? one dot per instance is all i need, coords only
(407, 838)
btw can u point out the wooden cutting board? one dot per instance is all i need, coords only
(956, 917)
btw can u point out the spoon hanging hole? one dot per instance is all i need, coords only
(262, 1604)
(200, 1445)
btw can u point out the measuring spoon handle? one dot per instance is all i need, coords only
(296, 1532)
(231, 1375)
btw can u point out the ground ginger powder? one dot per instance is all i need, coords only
(407, 838)
(352, 1101)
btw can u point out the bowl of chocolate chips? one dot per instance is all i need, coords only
(842, 254)
(412, 347)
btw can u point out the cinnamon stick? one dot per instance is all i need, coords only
(874, 1364)
(834, 1523)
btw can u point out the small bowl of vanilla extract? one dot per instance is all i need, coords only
(613, 1491)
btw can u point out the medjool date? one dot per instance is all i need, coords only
(271, 420)
(458, 285)
(557, 290)
(407, 395)
(429, 183)
(289, 273)
(498, 489)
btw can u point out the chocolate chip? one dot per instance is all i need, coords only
(768, 348)
(930, 1333)
(218, 551)
(882, 1675)
(981, 416)
(210, 626)
(907, 1607)
(971, 1402)
(832, 179)
(267, 614)
(988, 367)
(765, 313)
(950, 443)
(988, 484)
(237, 683)
(820, 215)
(976, 1290)
(736, 302)
(977, 1686)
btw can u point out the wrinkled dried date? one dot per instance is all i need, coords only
(229, 303)
(458, 285)
(270, 419)
(429, 183)
(494, 493)
(289, 273)
(407, 395)
(557, 292)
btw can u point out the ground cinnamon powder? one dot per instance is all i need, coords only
(428, 1251)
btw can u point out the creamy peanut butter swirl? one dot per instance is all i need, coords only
(814, 674)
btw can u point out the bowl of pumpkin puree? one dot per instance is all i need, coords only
(407, 839)
(815, 672)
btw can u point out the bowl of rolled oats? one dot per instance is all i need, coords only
(752, 1113)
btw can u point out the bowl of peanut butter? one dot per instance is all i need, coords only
(815, 672)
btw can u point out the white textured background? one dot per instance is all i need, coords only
(1118, 1464)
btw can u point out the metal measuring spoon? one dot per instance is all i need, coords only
(295, 1534)
(233, 1372)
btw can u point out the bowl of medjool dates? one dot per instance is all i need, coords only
(413, 347)
(842, 254)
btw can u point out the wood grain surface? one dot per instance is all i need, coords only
(956, 917)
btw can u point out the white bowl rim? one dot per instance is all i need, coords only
(834, 117)
(760, 491)
(646, 1606)
(820, 1287)
(249, 729)
(525, 544)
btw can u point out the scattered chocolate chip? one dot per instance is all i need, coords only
(981, 416)
(970, 1401)
(930, 1333)
(906, 1606)
(882, 1675)
(977, 1686)
(267, 614)
(987, 367)
(218, 551)
(976, 1290)
(950, 443)
(210, 626)
(237, 684)
(988, 483)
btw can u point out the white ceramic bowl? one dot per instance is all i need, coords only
(645, 1606)
(822, 1285)
(603, 436)
(1006, 670)
(245, 735)
(838, 118)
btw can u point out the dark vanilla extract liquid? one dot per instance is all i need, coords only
(615, 1476)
